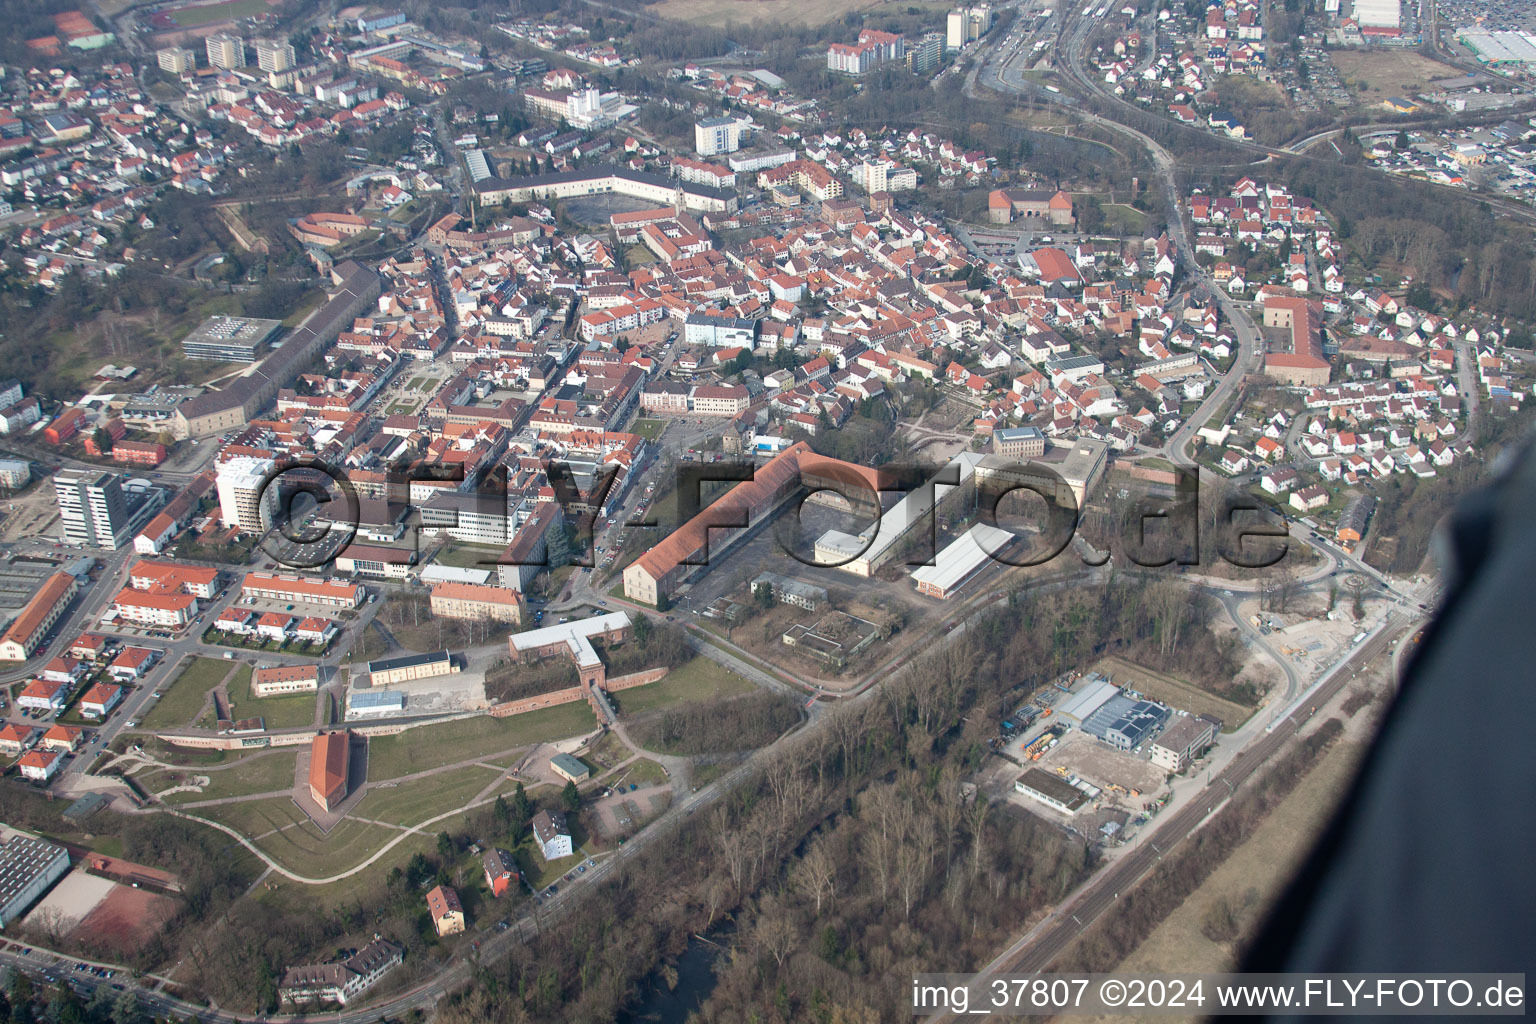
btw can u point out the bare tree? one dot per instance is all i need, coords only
(775, 932)
(976, 823)
(816, 874)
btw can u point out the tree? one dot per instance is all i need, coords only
(522, 808)
(103, 440)
(570, 797)
(642, 629)
(445, 846)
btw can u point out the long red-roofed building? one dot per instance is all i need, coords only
(329, 756)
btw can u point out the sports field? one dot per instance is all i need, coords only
(208, 14)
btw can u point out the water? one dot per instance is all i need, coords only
(695, 981)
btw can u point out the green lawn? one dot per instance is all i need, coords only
(469, 556)
(252, 818)
(289, 711)
(413, 802)
(698, 680)
(264, 773)
(432, 746)
(308, 851)
(185, 696)
(648, 429)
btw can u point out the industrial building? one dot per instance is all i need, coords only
(1051, 790)
(1125, 723)
(28, 867)
(1182, 742)
(230, 339)
(374, 704)
(1379, 14)
(1094, 692)
(861, 555)
(960, 560)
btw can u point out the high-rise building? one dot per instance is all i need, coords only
(92, 507)
(924, 55)
(274, 55)
(245, 500)
(175, 60)
(225, 51)
(717, 135)
(966, 25)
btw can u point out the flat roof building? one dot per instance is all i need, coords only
(28, 866)
(1052, 790)
(570, 768)
(1182, 742)
(960, 560)
(1125, 722)
(374, 704)
(1076, 708)
(230, 339)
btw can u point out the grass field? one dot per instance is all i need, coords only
(648, 429)
(432, 746)
(411, 803)
(468, 556)
(286, 712)
(255, 817)
(720, 12)
(698, 680)
(308, 851)
(185, 696)
(1384, 73)
(1253, 875)
(643, 772)
(1175, 692)
(264, 773)
(361, 887)
(191, 17)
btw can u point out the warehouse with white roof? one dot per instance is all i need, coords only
(960, 560)
(873, 547)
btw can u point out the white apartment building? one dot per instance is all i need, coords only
(244, 499)
(716, 135)
(225, 51)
